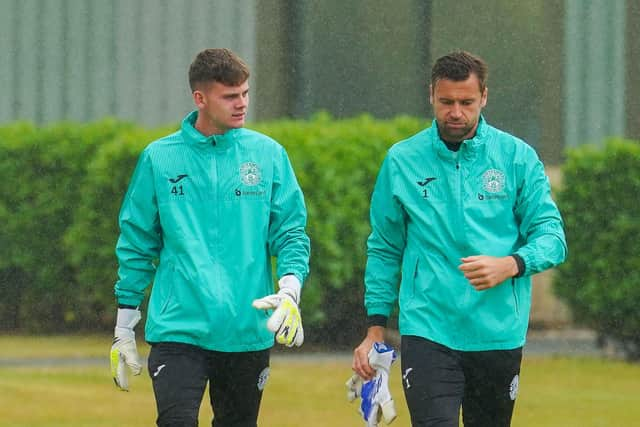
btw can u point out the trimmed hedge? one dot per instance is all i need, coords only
(91, 238)
(600, 280)
(63, 185)
(42, 171)
(57, 262)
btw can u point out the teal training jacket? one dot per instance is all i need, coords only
(210, 212)
(431, 207)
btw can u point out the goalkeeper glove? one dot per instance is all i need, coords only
(376, 397)
(124, 351)
(285, 320)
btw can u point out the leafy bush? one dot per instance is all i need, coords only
(42, 170)
(600, 280)
(90, 241)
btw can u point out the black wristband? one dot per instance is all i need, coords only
(521, 265)
(377, 320)
(132, 307)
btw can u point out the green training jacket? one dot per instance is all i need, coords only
(431, 207)
(210, 212)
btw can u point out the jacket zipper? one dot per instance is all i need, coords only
(459, 202)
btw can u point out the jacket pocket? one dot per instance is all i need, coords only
(414, 277)
(168, 282)
(409, 282)
(514, 291)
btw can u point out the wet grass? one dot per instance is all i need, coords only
(309, 391)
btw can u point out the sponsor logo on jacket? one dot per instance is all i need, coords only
(250, 176)
(493, 183)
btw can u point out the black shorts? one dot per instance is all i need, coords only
(180, 373)
(439, 381)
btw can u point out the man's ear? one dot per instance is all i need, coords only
(198, 98)
(485, 95)
(431, 94)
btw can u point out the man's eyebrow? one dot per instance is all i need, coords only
(446, 98)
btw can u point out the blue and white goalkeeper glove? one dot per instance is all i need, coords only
(285, 320)
(124, 351)
(376, 397)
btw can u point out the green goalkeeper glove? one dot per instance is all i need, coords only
(285, 320)
(124, 351)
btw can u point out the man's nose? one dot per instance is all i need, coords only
(243, 102)
(456, 110)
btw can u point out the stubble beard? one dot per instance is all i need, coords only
(455, 134)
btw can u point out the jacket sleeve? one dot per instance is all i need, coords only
(385, 245)
(540, 222)
(140, 238)
(288, 240)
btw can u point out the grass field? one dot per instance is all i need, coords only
(305, 391)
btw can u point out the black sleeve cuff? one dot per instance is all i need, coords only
(133, 307)
(377, 320)
(521, 265)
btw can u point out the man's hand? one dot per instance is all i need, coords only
(285, 320)
(124, 351)
(484, 272)
(360, 364)
(376, 397)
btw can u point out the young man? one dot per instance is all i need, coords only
(210, 204)
(464, 212)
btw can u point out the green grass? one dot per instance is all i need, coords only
(567, 392)
(81, 346)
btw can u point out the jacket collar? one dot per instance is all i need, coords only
(193, 136)
(469, 147)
